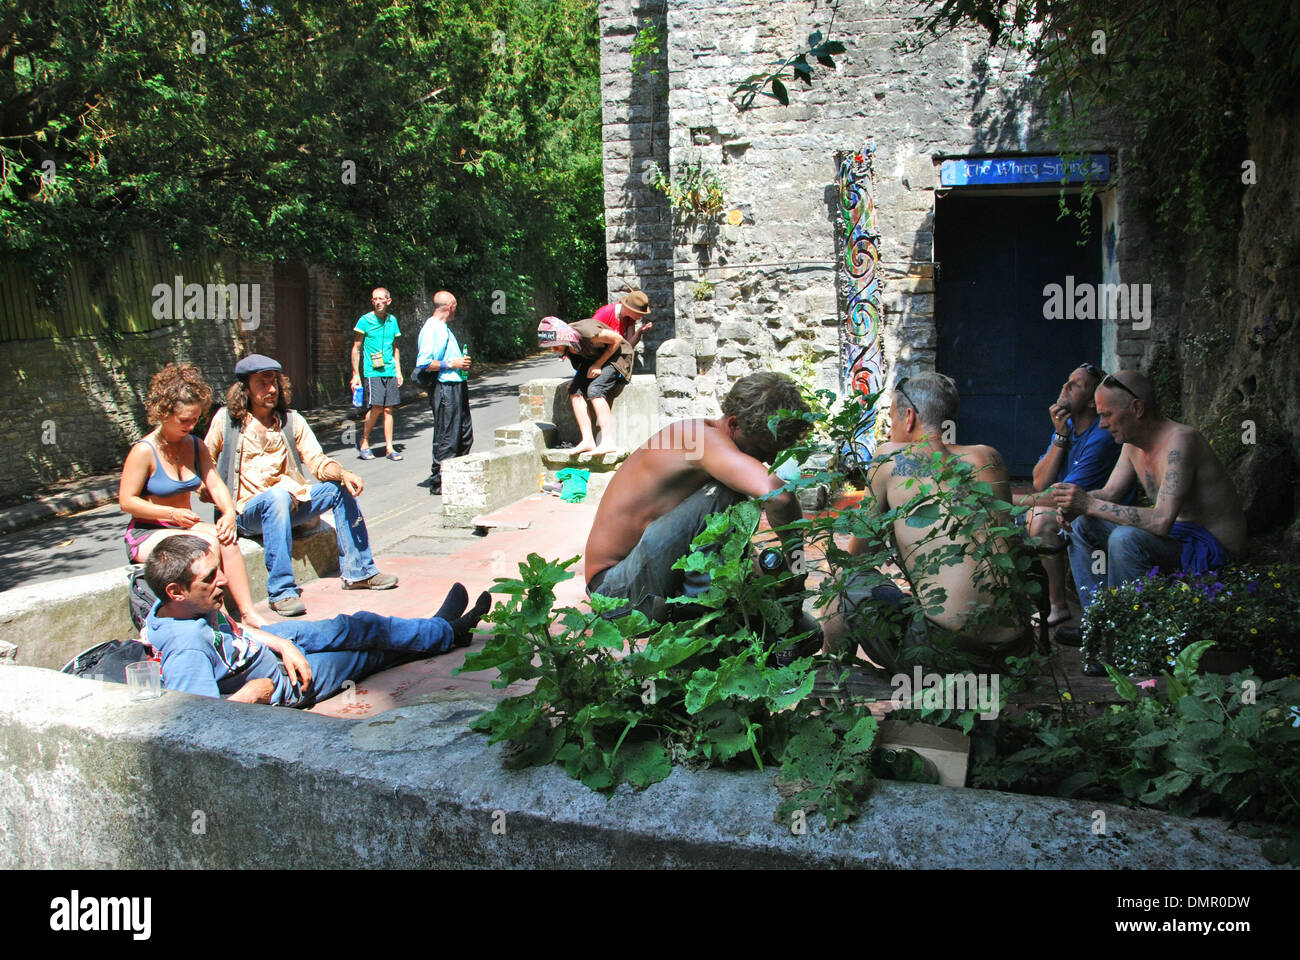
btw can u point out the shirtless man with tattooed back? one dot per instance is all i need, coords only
(1196, 525)
(899, 471)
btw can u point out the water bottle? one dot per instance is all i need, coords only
(358, 395)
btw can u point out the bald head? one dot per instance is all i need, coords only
(1138, 386)
(443, 302)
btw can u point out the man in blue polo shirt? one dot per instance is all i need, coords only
(376, 358)
(443, 369)
(291, 664)
(1080, 452)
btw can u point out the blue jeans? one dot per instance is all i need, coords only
(646, 572)
(1129, 552)
(274, 513)
(353, 646)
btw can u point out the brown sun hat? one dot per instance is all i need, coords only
(637, 302)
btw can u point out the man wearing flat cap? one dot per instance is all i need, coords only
(265, 452)
(624, 317)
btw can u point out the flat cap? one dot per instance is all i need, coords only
(255, 363)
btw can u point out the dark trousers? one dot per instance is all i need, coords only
(453, 433)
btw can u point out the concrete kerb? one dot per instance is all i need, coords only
(94, 781)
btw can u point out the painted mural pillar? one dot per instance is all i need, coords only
(862, 367)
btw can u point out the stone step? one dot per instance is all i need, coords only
(558, 458)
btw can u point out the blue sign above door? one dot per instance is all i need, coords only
(992, 171)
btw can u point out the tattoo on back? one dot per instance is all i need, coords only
(910, 466)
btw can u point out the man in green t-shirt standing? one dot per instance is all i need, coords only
(375, 357)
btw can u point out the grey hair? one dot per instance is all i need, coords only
(932, 395)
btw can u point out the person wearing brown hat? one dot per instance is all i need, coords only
(602, 364)
(624, 317)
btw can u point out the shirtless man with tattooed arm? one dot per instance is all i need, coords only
(1196, 524)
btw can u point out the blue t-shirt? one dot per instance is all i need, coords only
(1089, 458)
(212, 661)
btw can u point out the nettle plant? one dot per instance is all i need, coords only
(1193, 743)
(1250, 611)
(623, 700)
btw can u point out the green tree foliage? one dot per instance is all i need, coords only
(455, 143)
(1189, 75)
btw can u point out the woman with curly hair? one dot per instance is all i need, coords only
(170, 464)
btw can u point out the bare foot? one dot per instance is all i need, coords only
(585, 447)
(602, 450)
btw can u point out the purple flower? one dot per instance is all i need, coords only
(1152, 572)
(1252, 588)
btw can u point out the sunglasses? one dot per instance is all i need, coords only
(1110, 380)
(899, 387)
(1093, 370)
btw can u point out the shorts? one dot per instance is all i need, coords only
(382, 392)
(138, 531)
(609, 384)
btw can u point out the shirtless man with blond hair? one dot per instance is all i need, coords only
(660, 498)
(1196, 525)
(899, 471)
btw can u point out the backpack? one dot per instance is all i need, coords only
(139, 596)
(108, 660)
(228, 465)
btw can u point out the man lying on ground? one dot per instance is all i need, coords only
(660, 498)
(205, 653)
(1080, 452)
(1196, 524)
(897, 474)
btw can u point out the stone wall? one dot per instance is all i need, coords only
(761, 292)
(74, 406)
(638, 223)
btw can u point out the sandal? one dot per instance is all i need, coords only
(366, 454)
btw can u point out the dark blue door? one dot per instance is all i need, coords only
(995, 256)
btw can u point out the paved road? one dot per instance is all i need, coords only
(396, 501)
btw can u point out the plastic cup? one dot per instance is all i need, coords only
(144, 680)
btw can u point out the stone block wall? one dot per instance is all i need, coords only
(638, 245)
(756, 289)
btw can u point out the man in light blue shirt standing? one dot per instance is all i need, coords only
(441, 367)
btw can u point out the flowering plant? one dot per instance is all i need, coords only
(1249, 611)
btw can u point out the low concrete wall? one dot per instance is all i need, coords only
(50, 623)
(635, 411)
(482, 482)
(90, 780)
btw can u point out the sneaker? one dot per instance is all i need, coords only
(288, 607)
(380, 581)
